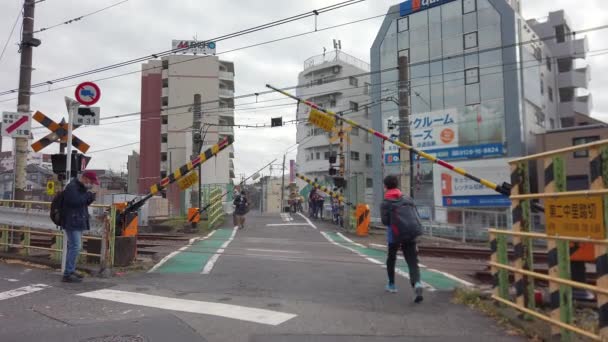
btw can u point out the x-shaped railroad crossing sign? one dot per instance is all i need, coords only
(59, 133)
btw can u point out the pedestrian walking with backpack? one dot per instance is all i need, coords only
(403, 227)
(241, 207)
(70, 210)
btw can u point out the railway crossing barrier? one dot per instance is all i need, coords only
(576, 230)
(216, 210)
(25, 226)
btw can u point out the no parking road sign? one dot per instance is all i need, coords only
(87, 93)
(16, 125)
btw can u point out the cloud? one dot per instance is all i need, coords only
(138, 28)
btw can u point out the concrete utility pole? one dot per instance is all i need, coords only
(28, 42)
(197, 144)
(404, 125)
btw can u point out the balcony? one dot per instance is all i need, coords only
(163, 166)
(226, 76)
(575, 48)
(165, 92)
(578, 78)
(580, 104)
(164, 129)
(313, 166)
(231, 164)
(226, 93)
(163, 148)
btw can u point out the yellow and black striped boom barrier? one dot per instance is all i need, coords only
(325, 190)
(182, 171)
(325, 119)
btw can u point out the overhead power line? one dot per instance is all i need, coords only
(216, 39)
(10, 35)
(73, 20)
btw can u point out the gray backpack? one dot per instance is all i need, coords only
(405, 223)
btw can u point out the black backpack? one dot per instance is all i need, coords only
(405, 223)
(57, 208)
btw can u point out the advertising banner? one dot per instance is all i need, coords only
(454, 190)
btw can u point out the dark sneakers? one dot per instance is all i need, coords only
(72, 278)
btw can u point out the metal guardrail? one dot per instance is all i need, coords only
(26, 226)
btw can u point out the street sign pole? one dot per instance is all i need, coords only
(72, 106)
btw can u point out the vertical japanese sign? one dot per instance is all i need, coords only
(437, 129)
(575, 216)
(391, 151)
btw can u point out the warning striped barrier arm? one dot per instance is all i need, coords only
(182, 171)
(504, 189)
(324, 189)
(598, 165)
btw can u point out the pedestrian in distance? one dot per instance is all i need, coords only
(312, 204)
(241, 208)
(399, 214)
(320, 204)
(76, 199)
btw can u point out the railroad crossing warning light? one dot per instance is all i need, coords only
(79, 163)
(332, 158)
(276, 122)
(322, 120)
(340, 182)
(332, 171)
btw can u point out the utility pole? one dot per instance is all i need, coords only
(283, 185)
(197, 144)
(28, 42)
(404, 125)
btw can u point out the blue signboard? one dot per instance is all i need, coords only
(391, 158)
(411, 6)
(477, 201)
(468, 152)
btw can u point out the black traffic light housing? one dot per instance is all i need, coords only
(333, 171)
(340, 182)
(59, 163)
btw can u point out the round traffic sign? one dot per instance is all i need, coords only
(87, 93)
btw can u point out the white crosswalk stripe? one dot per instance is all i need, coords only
(21, 291)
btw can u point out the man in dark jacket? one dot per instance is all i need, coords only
(75, 219)
(241, 207)
(392, 198)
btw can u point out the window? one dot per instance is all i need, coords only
(353, 81)
(403, 24)
(548, 60)
(164, 119)
(581, 141)
(163, 138)
(560, 33)
(540, 118)
(566, 94)
(538, 54)
(471, 76)
(319, 81)
(369, 182)
(354, 155)
(368, 160)
(163, 156)
(550, 93)
(542, 86)
(469, 6)
(368, 137)
(564, 64)
(552, 123)
(318, 155)
(354, 106)
(366, 90)
(355, 131)
(165, 64)
(165, 101)
(326, 155)
(470, 40)
(165, 82)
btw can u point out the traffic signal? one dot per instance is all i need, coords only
(79, 163)
(276, 122)
(340, 182)
(332, 171)
(332, 159)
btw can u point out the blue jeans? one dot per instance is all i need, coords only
(74, 241)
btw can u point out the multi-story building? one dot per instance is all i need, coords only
(338, 82)
(35, 187)
(7, 160)
(132, 173)
(482, 83)
(169, 88)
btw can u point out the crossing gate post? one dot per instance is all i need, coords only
(558, 255)
(522, 246)
(498, 246)
(598, 160)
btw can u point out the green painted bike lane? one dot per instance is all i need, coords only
(437, 280)
(194, 258)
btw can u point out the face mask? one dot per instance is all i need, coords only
(89, 186)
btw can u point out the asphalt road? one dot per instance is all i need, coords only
(278, 280)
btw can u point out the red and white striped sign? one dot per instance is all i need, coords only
(16, 125)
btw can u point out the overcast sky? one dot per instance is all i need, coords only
(141, 27)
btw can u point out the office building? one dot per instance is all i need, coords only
(338, 82)
(171, 89)
(481, 83)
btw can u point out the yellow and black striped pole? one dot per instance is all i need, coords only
(598, 161)
(182, 171)
(504, 189)
(325, 190)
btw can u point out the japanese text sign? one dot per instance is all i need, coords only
(437, 129)
(188, 181)
(322, 120)
(16, 125)
(575, 216)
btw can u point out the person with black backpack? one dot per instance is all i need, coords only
(241, 207)
(74, 218)
(402, 228)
